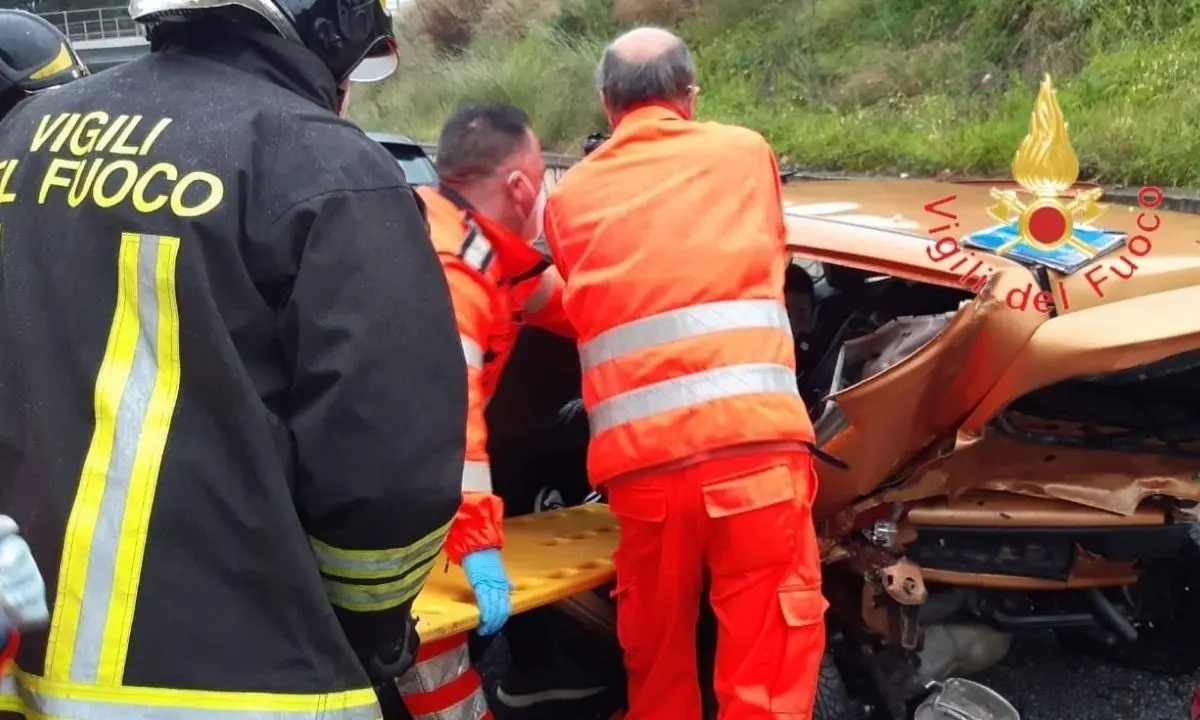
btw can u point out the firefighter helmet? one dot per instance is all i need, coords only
(34, 56)
(353, 38)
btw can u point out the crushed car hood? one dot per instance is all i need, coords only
(901, 426)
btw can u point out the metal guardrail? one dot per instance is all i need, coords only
(556, 164)
(103, 23)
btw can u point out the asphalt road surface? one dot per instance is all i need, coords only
(1048, 682)
(1044, 680)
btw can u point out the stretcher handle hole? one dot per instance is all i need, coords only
(601, 564)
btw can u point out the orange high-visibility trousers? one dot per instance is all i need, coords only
(748, 519)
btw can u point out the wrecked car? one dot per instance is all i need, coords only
(1008, 467)
(1008, 378)
(1011, 466)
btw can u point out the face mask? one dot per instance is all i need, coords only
(536, 222)
(532, 229)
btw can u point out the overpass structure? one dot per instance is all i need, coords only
(103, 36)
(106, 36)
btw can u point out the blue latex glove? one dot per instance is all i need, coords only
(22, 590)
(485, 573)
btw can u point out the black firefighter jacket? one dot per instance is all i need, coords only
(232, 396)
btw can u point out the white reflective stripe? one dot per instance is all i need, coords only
(81, 701)
(471, 708)
(478, 252)
(472, 352)
(686, 322)
(542, 293)
(477, 476)
(436, 672)
(694, 389)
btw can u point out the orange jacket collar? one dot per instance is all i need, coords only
(517, 258)
(648, 111)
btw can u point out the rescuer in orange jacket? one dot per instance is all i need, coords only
(483, 218)
(671, 240)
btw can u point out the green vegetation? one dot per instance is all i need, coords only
(918, 86)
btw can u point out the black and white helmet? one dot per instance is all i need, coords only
(353, 38)
(34, 56)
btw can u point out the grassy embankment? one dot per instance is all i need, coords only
(918, 86)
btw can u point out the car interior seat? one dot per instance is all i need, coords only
(838, 304)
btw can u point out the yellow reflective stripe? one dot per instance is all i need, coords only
(135, 395)
(135, 526)
(62, 61)
(37, 697)
(382, 596)
(377, 564)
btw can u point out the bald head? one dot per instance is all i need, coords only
(645, 65)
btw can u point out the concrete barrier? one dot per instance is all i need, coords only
(105, 53)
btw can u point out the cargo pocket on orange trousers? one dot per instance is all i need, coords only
(794, 689)
(754, 520)
(641, 512)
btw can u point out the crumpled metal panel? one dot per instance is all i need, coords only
(887, 419)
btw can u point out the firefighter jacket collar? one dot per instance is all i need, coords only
(518, 259)
(646, 112)
(273, 58)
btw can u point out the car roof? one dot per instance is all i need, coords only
(393, 139)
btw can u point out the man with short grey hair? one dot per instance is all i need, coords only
(648, 65)
(671, 239)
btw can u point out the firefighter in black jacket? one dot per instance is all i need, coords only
(34, 57)
(232, 396)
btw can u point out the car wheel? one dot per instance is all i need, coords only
(833, 700)
(1164, 602)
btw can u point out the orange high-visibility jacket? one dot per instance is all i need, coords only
(672, 242)
(497, 282)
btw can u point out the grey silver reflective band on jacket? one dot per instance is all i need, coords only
(477, 476)
(438, 672)
(694, 389)
(686, 322)
(378, 564)
(78, 708)
(473, 708)
(472, 352)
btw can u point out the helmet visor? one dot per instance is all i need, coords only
(379, 63)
